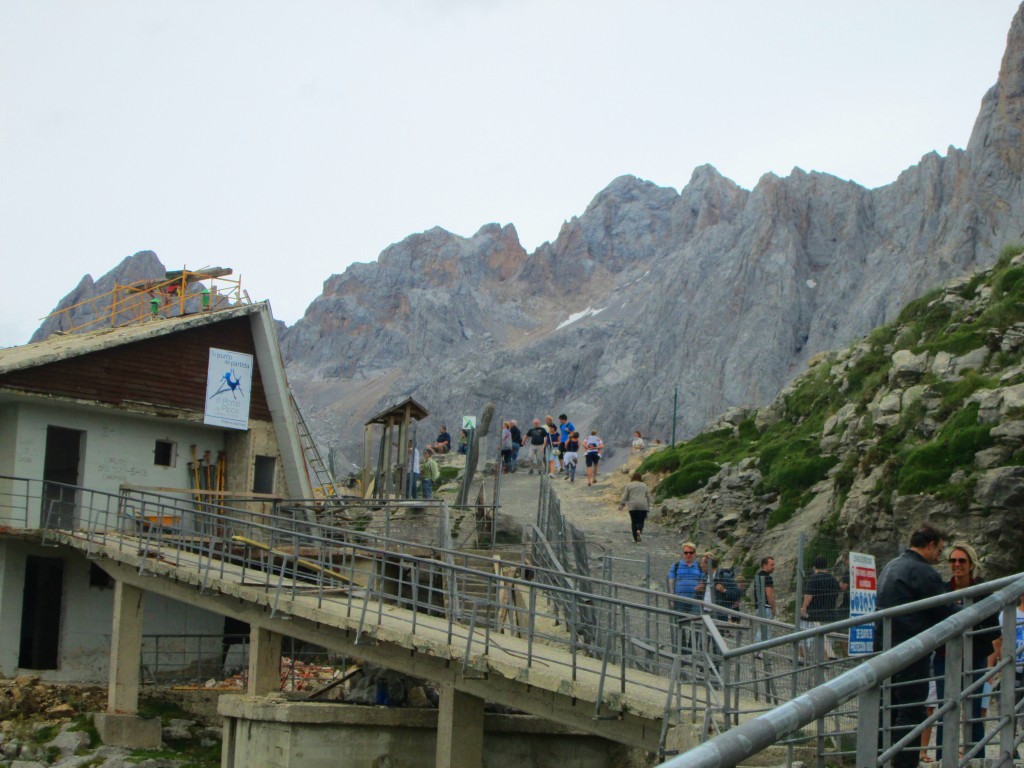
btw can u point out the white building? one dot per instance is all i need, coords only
(137, 406)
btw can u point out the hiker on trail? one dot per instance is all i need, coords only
(517, 441)
(723, 590)
(506, 448)
(764, 596)
(551, 451)
(638, 441)
(821, 592)
(636, 497)
(569, 458)
(413, 481)
(592, 444)
(430, 473)
(537, 436)
(565, 428)
(683, 578)
(463, 442)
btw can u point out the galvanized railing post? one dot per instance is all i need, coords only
(953, 688)
(868, 702)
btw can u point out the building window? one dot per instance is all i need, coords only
(263, 474)
(164, 453)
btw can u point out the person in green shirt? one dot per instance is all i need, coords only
(429, 474)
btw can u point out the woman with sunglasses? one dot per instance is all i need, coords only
(963, 564)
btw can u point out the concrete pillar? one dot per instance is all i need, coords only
(460, 730)
(125, 650)
(120, 725)
(264, 662)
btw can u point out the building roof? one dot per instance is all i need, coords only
(416, 411)
(60, 346)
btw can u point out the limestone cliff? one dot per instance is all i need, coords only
(721, 291)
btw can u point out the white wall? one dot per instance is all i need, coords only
(86, 616)
(117, 447)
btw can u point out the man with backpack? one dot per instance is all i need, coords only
(718, 586)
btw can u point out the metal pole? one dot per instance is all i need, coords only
(675, 401)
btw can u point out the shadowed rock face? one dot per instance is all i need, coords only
(719, 291)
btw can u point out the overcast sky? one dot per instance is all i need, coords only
(288, 140)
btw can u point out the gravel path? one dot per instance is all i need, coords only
(594, 509)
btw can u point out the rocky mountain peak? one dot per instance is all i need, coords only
(998, 129)
(143, 265)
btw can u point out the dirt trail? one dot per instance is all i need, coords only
(594, 509)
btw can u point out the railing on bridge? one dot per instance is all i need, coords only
(851, 717)
(706, 669)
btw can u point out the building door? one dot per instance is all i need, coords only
(40, 612)
(60, 469)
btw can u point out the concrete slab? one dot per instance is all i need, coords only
(129, 731)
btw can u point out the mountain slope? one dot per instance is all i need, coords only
(923, 420)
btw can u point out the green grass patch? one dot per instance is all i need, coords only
(687, 479)
(927, 468)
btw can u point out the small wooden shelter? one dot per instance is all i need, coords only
(393, 456)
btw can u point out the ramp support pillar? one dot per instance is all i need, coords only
(264, 662)
(460, 730)
(125, 650)
(120, 725)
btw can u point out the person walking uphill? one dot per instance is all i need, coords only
(537, 436)
(636, 497)
(592, 445)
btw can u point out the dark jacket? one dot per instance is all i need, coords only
(730, 598)
(903, 580)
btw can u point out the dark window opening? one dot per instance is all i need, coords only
(163, 453)
(263, 474)
(40, 612)
(99, 578)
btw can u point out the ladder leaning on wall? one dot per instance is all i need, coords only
(318, 473)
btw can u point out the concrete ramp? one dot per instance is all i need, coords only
(347, 604)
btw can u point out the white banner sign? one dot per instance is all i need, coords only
(228, 380)
(863, 585)
(469, 422)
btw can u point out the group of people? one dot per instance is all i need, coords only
(703, 581)
(905, 579)
(551, 447)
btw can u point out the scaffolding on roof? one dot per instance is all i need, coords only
(180, 292)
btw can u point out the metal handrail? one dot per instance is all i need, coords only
(569, 620)
(749, 738)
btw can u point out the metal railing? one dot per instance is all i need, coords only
(180, 292)
(707, 670)
(852, 717)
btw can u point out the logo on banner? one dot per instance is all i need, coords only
(228, 379)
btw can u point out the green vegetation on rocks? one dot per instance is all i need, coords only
(909, 412)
